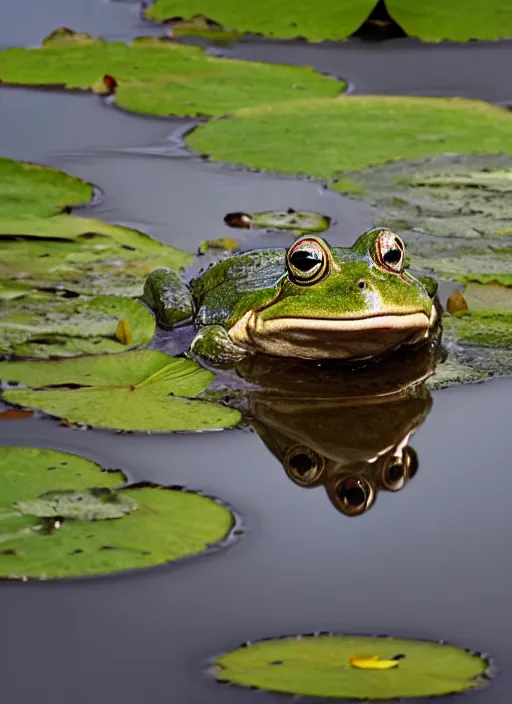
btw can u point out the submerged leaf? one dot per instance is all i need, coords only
(138, 391)
(325, 666)
(97, 527)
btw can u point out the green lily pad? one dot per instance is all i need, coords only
(81, 255)
(301, 220)
(161, 77)
(62, 516)
(490, 328)
(225, 244)
(324, 138)
(456, 20)
(44, 325)
(204, 28)
(451, 373)
(143, 390)
(37, 190)
(455, 196)
(319, 667)
(286, 19)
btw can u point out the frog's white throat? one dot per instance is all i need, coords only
(356, 338)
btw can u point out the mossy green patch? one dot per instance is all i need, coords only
(326, 666)
(47, 325)
(135, 391)
(31, 189)
(325, 138)
(63, 516)
(287, 19)
(161, 77)
(490, 328)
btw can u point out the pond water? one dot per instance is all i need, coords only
(430, 561)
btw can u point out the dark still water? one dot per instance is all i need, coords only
(431, 561)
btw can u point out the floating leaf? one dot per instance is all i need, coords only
(376, 130)
(119, 528)
(456, 20)
(301, 220)
(490, 328)
(91, 505)
(200, 26)
(451, 373)
(66, 36)
(488, 297)
(286, 19)
(320, 667)
(37, 190)
(164, 77)
(138, 391)
(42, 325)
(227, 244)
(456, 303)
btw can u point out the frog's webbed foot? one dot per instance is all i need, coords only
(168, 296)
(213, 344)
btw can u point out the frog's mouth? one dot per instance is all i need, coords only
(343, 338)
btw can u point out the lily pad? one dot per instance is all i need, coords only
(490, 297)
(287, 19)
(456, 20)
(299, 220)
(451, 373)
(63, 516)
(204, 28)
(37, 190)
(325, 138)
(225, 244)
(44, 325)
(490, 328)
(321, 667)
(161, 77)
(143, 390)
(81, 255)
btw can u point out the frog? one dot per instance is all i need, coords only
(310, 300)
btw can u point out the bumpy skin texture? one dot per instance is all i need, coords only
(357, 290)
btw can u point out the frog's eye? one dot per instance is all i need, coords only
(390, 251)
(307, 260)
(303, 465)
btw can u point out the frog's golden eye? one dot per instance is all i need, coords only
(390, 251)
(303, 465)
(307, 260)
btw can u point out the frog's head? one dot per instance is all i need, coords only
(336, 302)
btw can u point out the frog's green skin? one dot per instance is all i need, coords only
(251, 304)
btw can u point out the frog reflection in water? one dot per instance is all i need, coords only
(348, 430)
(309, 301)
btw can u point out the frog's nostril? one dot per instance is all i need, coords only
(361, 284)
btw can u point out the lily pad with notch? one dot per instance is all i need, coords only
(323, 666)
(62, 516)
(142, 390)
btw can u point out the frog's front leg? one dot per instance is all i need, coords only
(213, 344)
(168, 296)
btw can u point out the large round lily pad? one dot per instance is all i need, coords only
(45, 325)
(143, 390)
(330, 19)
(62, 516)
(324, 138)
(321, 667)
(37, 190)
(161, 77)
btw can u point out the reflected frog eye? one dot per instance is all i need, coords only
(307, 261)
(390, 251)
(303, 465)
(353, 495)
